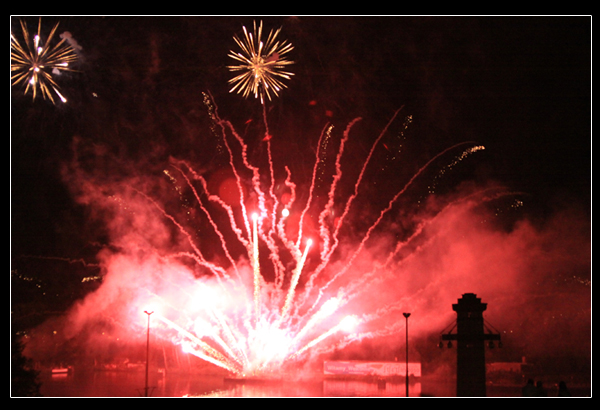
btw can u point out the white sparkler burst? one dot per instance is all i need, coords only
(261, 64)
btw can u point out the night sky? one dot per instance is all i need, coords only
(520, 86)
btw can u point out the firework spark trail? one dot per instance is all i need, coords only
(196, 339)
(218, 317)
(280, 270)
(359, 180)
(272, 184)
(324, 231)
(452, 164)
(371, 280)
(231, 339)
(289, 244)
(256, 266)
(381, 272)
(281, 232)
(348, 321)
(356, 287)
(212, 223)
(207, 352)
(311, 188)
(294, 282)
(325, 257)
(250, 167)
(203, 328)
(220, 202)
(380, 218)
(267, 237)
(202, 293)
(256, 185)
(237, 177)
(326, 310)
(189, 348)
(219, 272)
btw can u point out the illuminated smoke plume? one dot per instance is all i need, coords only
(267, 272)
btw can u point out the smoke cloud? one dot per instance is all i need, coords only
(534, 276)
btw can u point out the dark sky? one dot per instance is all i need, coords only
(521, 86)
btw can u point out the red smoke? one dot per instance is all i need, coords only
(534, 278)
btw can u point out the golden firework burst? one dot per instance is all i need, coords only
(261, 64)
(34, 62)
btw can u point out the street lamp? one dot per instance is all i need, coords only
(406, 315)
(147, 349)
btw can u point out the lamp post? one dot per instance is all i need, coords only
(147, 350)
(406, 315)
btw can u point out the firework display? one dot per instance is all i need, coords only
(36, 61)
(274, 291)
(262, 64)
(262, 239)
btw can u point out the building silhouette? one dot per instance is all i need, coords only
(470, 338)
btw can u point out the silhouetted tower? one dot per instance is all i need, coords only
(470, 338)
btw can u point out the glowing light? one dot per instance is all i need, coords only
(34, 63)
(326, 310)
(194, 345)
(261, 65)
(256, 265)
(348, 323)
(295, 278)
(285, 213)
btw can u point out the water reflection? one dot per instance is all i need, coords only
(277, 389)
(353, 388)
(131, 384)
